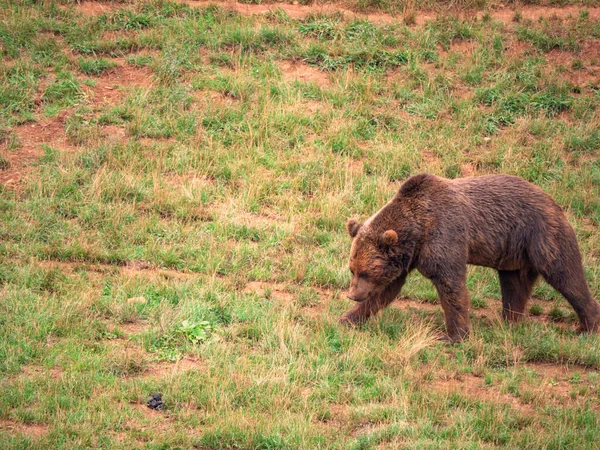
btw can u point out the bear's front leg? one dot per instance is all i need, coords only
(363, 310)
(360, 313)
(454, 297)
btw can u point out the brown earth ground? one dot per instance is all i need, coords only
(297, 11)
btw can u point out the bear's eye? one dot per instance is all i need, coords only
(363, 275)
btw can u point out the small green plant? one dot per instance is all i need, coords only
(126, 362)
(196, 332)
(577, 64)
(95, 66)
(65, 91)
(556, 314)
(409, 18)
(536, 310)
(518, 17)
(4, 163)
(453, 171)
(165, 348)
(139, 60)
(479, 302)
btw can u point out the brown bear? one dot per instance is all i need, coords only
(438, 226)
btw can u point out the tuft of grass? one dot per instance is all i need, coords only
(536, 310)
(95, 66)
(64, 91)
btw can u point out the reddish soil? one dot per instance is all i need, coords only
(589, 56)
(51, 131)
(467, 169)
(110, 85)
(555, 385)
(493, 311)
(276, 290)
(507, 15)
(213, 98)
(133, 328)
(34, 430)
(297, 11)
(475, 387)
(465, 48)
(282, 296)
(92, 8)
(32, 137)
(132, 269)
(163, 369)
(293, 71)
(114, 133)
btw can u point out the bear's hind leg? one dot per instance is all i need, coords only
(573, 286)
(561, 266)
(515, 286)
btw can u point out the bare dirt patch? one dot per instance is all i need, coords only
(134, 328)
(33, 371)
(51, 131)
(93, 8)
(213, 98)
(268, 219)
(467, 169)
(131, 269)
(505, 15)
(277, 291)
(558, 372)
(163, 369)
(34, 430)
(114, 134)
(590, 51)
(491, 312)
(404, 303)
(298, 71)
(109, 88)
(516, 48)
(588, 58)
(32, 137)
(474, 387)
(463, 47)
(293, 11)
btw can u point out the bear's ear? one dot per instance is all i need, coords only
(388, 238)
(353, 226)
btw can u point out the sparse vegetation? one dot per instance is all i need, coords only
(174, 186)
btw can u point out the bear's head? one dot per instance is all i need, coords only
(375, 260)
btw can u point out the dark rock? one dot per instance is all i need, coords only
(155, 402)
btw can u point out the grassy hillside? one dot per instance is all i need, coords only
(174, 186)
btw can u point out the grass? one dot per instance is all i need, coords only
(181, 229)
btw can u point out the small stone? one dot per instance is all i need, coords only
(136, 301)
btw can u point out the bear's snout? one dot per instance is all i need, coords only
(353, 296)
(357, 293)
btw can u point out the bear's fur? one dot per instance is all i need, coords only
(438, 226)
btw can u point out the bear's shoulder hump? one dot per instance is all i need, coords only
(415, 184)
